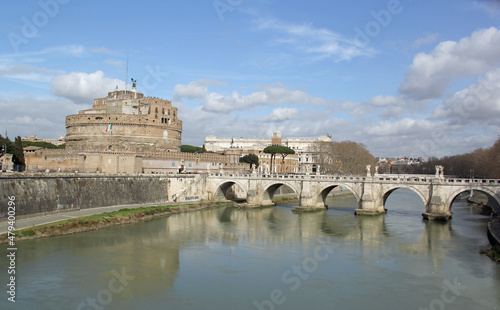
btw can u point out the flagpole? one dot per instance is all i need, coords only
(126, 77)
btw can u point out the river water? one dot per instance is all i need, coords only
(270, 258)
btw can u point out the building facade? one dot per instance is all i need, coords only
(304, 160)
(126, 132)
(125, 121)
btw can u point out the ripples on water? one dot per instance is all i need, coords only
(268, 258)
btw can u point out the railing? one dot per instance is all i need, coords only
(378, 178)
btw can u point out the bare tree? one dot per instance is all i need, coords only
(481, 163)
(346, 157)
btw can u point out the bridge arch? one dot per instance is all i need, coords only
(271, 188)
(223, 190)
(493, 198)
(325, 190)
(388, 192)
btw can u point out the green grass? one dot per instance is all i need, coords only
(98, 221)
(493, 253)
(284, 198)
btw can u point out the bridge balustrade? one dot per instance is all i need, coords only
(384, 179)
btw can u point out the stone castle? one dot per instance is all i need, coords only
(127, 132)
(125, 121)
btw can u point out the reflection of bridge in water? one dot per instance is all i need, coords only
(261, 227)
(371, 192)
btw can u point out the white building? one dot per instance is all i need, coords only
(302, 147)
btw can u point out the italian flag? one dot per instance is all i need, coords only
(110, 126)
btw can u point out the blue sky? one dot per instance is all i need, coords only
(405, 78)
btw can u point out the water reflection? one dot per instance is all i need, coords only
(226, 258)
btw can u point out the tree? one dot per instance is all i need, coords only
(18, 154)
(346, 157)
(480, 163)
(250, 159)
(45, 145)
(5, 145)
(192, 149)
(284, 151)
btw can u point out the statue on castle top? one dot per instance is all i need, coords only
(134, 83)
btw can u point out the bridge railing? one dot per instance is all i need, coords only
(473, 181)
(357, 178)
(291, 176)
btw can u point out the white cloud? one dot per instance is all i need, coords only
(116, 63)
(478, 102)
(81, 87)
(405, 127)
(319, 42)
(27, 73)
(425, 40)
(384, 101)
(281, 114)
(43, 116)
(194, 90)
(492, 7)
(274, 94)
(386, 106)
(102, 49)
(430, 74)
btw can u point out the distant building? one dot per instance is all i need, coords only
(125, 121)
(33, 138)
(399, 165)
(303, 161)
(6, 163)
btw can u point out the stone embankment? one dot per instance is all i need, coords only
(493, 230)
(47, 193)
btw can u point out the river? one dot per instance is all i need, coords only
(269, 258)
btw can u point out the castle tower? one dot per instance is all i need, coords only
(125, 121)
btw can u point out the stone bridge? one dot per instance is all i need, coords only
(436, 191)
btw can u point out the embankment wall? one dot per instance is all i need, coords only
(45, 193)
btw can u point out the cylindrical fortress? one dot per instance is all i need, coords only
(125, 121)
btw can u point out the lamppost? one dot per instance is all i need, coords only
(471, 181)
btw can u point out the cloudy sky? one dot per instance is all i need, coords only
(405, 78)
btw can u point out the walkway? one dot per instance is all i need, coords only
(55, 217)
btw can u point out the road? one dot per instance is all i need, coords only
(55, 217)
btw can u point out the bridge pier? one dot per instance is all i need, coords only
(437, 208)
(371, 202)
(254, 198)
(307, 201)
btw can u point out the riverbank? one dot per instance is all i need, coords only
(287, 199)
(283, 200)
(480, 200)
(494, 238)
(106, 219)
